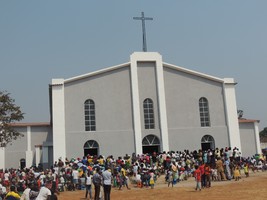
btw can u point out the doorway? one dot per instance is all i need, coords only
(151, 144)
(91, 147)
(150, 149)
(205, 146)
(22, 163)
(207, 142)
(91, 152)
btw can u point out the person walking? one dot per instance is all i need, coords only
(97, 181)
(88, 185)
(45, 192)
(12, 194)
(197, 175)
(107, 179)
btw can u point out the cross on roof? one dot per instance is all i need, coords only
(143, 18)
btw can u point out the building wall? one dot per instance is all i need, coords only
(183, 92)
(111, 92)
(40, 135)
(248, 139)
(17, 151)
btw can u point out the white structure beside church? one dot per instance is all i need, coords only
(141, 106)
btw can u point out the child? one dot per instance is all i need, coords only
(197, 175)
(207, 171)
(151, 181)
(214, 175)
(246, 170)
(237, 175)
(169, 178)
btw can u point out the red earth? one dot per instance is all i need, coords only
(253, 187)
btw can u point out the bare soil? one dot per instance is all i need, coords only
(253, 187)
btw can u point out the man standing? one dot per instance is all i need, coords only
(75, 177)
(45, 192)
(88, 185)
(220, 169)
(97, 180)
(107, 177)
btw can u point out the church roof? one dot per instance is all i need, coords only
(174, 67)
(20, 124)
(192, 72)
(97, 72)
(243, 120)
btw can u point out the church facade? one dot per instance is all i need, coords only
(141, 106)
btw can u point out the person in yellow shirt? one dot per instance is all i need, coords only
(90, 160)
(12, 193)
(101, 161)
(246, 169)
(124, 178)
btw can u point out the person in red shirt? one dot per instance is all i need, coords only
(207, 174)
(203, 176)
(197, 175)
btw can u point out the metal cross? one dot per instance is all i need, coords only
(143, 18)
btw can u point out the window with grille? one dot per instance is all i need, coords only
(204, 112)
(89, 114)
(149, 114)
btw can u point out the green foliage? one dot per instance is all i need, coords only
(240, 114)
(263, 133)
(9, 113)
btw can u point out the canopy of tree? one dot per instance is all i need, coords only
(9, 113)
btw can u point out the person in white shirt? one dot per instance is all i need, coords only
(42, 178)
(26, 194)
(6, 178)
(45, 192)
(75, 177)
(107, 177)
(88, 185)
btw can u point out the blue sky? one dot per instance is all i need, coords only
(42, 40)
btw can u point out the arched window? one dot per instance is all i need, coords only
(207, 142)
(150, 140)
(89, 114)
(90, 144)
(151, 144)
(204, 112)
(149, 114)
(91, 147)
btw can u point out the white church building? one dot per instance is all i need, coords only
(140, 106)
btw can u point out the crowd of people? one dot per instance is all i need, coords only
(102, 173)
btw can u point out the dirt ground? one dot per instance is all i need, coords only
(253, 187)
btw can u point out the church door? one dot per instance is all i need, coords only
(22, 163)
(151, 144)
(91, 148)
(207, 142)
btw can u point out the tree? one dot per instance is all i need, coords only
(240, 114)
(9, 113)
(263, 133)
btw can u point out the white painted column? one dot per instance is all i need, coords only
(29, 152)
(45, 156)
(162, 104)
(257, 137)
(136, 105)
(231, 113)
(37, 154)
(149, 57)
(59, 135)
(2, 158)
